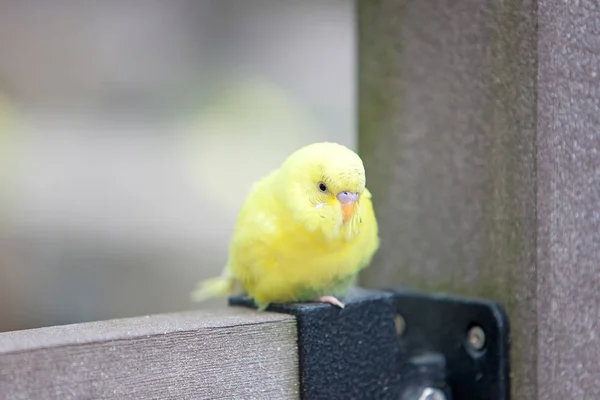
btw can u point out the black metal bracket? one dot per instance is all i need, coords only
(401, 345)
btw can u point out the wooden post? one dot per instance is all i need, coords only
(479, 127)
(568, 199)
(237, 353)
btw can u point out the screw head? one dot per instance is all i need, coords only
(400, 325)
(432, 394)
(476, 338)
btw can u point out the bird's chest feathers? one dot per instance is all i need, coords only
(316, 255)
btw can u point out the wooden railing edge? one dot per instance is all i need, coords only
(201, 354)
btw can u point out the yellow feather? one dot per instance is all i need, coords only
(291, 242)
(214, 287)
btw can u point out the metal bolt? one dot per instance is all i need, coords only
(432, 394)
(476, 338)
(400, 325)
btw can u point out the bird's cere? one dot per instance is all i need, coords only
(347, 197)
(347, 201)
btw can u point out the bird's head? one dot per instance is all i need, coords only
(323, 185)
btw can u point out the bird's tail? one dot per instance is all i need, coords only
(221, 286)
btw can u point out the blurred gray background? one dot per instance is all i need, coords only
(130, 132)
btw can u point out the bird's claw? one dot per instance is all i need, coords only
(329, 299)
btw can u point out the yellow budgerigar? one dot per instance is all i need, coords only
(303, 233)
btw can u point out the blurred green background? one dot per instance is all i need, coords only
(130, 132)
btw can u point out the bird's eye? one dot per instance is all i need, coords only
(322, 187)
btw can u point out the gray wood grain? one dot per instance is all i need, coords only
(447, 107)
(232, 354)
(480, 131)
(568, 172)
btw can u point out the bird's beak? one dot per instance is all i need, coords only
(347, 201)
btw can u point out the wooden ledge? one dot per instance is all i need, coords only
(232, 353)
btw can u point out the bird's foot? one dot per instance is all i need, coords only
(330, 300)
